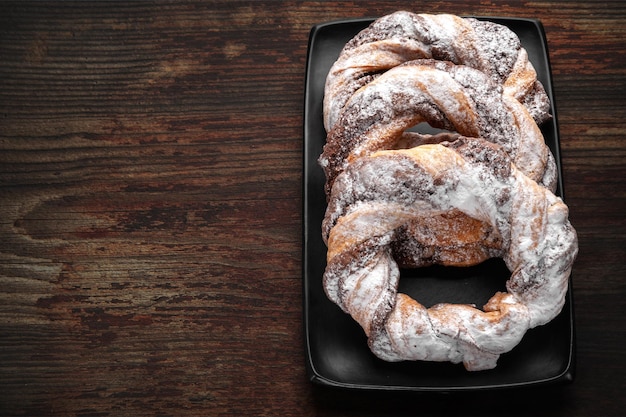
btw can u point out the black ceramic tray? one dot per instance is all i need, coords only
(336, 349)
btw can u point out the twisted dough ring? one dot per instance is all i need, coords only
(375, 196)
(403, 36)
(447, 96)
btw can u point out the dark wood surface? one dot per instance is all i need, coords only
(150, 208)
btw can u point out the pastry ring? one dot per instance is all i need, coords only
(403, 36)
(374, 197)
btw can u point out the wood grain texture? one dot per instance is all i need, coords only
(150, 207)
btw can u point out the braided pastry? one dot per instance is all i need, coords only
(449, 199)
(447, 96)
(378, 195)
(403, 36)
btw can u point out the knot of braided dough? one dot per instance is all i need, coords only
(403, 36)
(379, 195)
(447, 96)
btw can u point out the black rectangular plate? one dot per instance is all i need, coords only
(336, 349)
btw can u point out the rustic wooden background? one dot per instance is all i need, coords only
(150, 208)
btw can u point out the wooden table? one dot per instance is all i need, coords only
(150, 208)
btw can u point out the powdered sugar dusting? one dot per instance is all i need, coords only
(403, 36)
(446, 96)
(474, 177)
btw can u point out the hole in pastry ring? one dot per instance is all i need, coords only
(379, 193)
(403, 36)
(447, 96)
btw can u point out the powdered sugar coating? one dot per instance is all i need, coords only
(403, 36)
(447, 96)
(380, 193)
